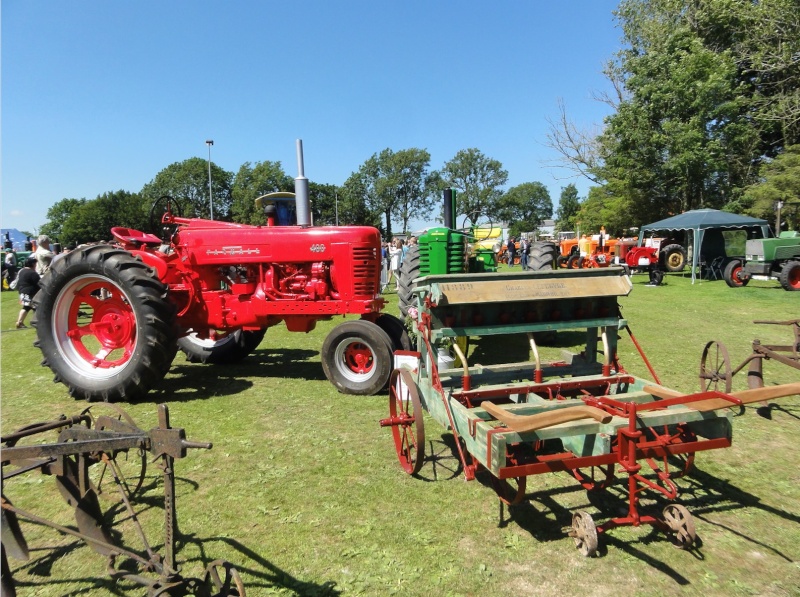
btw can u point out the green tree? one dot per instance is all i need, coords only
(93, 220)
(252, 182)
(59, 213)
(479, 181)
(525, 206)
(187, 182)
(358, 199)
(324, 203)
(392, 187)
(780, 183)
(568, 206)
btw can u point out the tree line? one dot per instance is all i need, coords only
(706, 114)
(387, 190)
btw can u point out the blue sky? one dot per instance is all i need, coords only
(100, 96)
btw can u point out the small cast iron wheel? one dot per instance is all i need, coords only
(132, 463)
(104, 324)
(790, 275)
(225, 347)
(229, 585)
(409, 432)
(674, 258)
(162, 206)
(357, 357)
(510, 491)
(734, 275)
(681, 524)
(396, 331)
(715, 368)
(585, 533)
(595, 478)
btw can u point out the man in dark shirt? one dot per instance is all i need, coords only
(27, 286)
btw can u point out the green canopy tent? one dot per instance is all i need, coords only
(701, 220)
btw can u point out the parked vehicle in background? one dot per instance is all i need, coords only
(771, 257)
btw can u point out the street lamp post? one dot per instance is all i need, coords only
(210, 142)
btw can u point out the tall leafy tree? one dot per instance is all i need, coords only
(479, 180)
(324, 203)
(780, 185)
(93, 220)
(250, 183)
(568, 206)
(525, 206)
(59, 213)
(705, 92)
(392, 187)
(187, 182)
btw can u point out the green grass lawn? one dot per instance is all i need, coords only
(302, 491)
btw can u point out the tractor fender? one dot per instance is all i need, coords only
(153, 260)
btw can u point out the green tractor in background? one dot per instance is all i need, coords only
(445, 250)
(772, 257)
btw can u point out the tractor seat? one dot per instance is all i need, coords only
(129, 236)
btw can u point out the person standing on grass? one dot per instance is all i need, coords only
(43, 254)
(524, 247)
(27, 286)
(395, 257)
(511, 250)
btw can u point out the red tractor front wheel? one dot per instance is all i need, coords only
(357, 357)
(104, 324)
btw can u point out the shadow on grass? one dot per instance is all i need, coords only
(187, 381)
(547, 519)
(266, 575)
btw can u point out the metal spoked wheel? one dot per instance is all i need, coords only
(681, 524)
(130, 464)
(585, 533)
(510, 491)
(715, 368)
(408, 431)
(229, 584)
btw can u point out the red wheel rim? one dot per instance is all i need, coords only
(358, 358)
(96, 326)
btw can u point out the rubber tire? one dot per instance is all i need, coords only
(667, 254)
(542, 256)
(396, 331)
(731, 279)
(572, 261)
(155, 341)
(339, 374)
(408, 274)
(790, 275)
(233, 348)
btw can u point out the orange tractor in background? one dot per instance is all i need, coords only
(654, 255)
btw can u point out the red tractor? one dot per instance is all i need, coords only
(110, 317)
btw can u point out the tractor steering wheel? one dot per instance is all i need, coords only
(161, 214)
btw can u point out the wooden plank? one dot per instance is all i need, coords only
(530, 288)
(746, 396)
(521, 424)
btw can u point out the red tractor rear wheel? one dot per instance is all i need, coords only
(223, 348)
(104, 324)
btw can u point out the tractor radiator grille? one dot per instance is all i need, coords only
(366, 277)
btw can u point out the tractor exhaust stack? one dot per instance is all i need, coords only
(303, 204)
